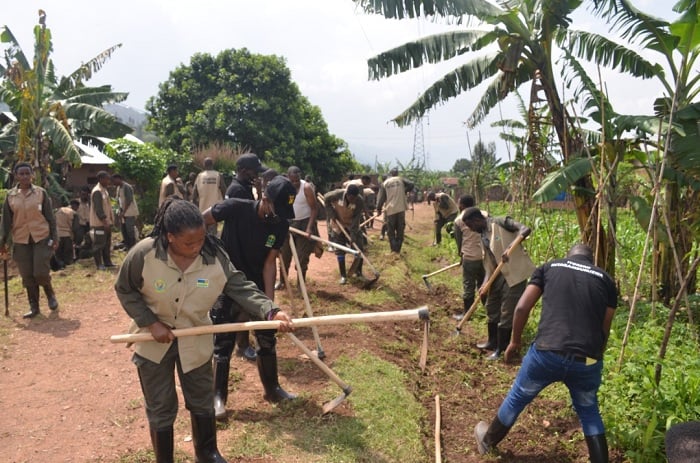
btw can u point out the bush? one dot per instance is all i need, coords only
(143, 166)
(636, 411)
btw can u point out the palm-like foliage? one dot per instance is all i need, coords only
(517, 47)
(677, 46)
(51, 112)
(518, 43)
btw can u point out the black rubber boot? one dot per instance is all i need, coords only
(492, 342)
(221, 369)
(33, 296)
(51, 297)
(162, 440)
(267, 368)
(488, 436)
(597, 448)
(503, 341)
(204, 439)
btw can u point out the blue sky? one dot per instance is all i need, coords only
(326, 44)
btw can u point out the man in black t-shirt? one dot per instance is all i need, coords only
(578, 304)
(248, 168)
(253, 234)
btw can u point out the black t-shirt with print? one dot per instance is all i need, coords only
(575, 298)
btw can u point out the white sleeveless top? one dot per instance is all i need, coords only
(302, 210)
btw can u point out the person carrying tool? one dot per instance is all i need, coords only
(392, 194)
(578, 305)
(445, 213)
(496, 235)
(345, 206)
(28, 220)
(253, 234)
(305, 212)
(169, 281)
(471, 255)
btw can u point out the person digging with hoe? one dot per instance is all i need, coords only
(578, 304)
(169, 281)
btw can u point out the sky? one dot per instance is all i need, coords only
(326, 44)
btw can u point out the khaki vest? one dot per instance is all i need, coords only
(519, 267)
(133, 209)
(208, 189)
(106, 207)
(27, 216)
(64, 221)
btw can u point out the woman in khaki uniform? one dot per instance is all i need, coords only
(171, 280)
(27, 218)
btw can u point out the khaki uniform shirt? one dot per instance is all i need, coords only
(101, 211)
(84, 213)
(170, 187)
(444, 212)
(27, 216)
(500, 232)
(65, 222)
(151, 288)
(125, 193)
(468, 241)
(393, 193)
(349, 214)
(208, 190)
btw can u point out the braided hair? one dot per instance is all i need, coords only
(176, 215)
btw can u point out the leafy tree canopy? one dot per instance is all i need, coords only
(461, 166)
(246, 99)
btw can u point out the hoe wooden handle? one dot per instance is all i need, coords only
(375, 317)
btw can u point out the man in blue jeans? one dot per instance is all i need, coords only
(578, 304)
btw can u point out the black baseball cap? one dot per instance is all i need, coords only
(282, 193)
(250, 161)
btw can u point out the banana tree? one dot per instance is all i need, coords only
(516, 48)
(51, 112)
(677, 45)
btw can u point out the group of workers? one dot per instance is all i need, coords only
(182, 276)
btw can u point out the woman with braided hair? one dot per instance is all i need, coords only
(170, 280)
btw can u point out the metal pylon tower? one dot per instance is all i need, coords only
(419, 143)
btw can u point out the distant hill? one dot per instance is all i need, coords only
(127, 115)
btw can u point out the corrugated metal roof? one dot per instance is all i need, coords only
(91, 155)
(127, 137)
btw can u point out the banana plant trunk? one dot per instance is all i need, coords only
(592, 230)
(669, 280)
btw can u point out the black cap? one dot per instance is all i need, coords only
(282, 193)
(250, 161)
(471, 212)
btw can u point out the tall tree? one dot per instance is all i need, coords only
(246, 99)
(50, 111)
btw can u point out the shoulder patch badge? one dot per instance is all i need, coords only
(270, 240)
